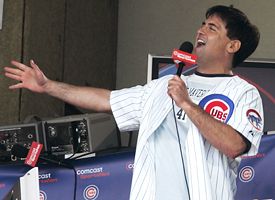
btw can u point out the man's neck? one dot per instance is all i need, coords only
(214, 69)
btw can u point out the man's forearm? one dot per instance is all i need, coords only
(95, 99)
(215, 132)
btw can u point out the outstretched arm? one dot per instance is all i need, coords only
(33, 79)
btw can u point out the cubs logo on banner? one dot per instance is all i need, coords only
(91, 192)
(42, 195)
(219, 106)
(246, 174)
(129, 166)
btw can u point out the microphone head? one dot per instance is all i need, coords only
(19, 151)
(186, 47)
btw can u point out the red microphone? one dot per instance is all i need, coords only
(183, 56)
(33, 154)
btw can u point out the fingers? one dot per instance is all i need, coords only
(14, 71)
(16, 86)
(175, 81)
(17, 73)
(176, 87)
(19, 65)
(33, 65)
(22, 67)
(13, 76)
(22, 73)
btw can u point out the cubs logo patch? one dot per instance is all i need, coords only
(254, 118)
(91, 192)
(219, 106)
(42, 195)
(246, 174)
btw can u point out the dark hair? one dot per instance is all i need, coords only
(238, 27)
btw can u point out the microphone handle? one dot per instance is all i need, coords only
(180, 68)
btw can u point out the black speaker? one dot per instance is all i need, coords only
(80, 133)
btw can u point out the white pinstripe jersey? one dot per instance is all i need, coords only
(145, 107)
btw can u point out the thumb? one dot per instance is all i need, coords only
(33, 65)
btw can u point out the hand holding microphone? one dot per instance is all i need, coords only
(177, 89)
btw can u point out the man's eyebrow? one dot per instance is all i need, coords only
(213, 24)
(210, 24)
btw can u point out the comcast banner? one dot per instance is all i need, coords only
(256, 174)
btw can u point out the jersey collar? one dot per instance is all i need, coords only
(213, 75)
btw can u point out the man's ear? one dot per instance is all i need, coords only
(233, 46)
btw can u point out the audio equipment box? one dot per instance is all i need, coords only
(80, 133)
(65, 135)
(23, 134)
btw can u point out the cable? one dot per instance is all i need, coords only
(130, 138)
(75, 183)
(178, 136)
(118, 136)
(70, 166)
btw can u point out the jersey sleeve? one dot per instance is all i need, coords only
(126, 107)
(248, 118)
(130, 105)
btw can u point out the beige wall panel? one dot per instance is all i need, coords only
(91, 38)
(10, 48)
(43, 42)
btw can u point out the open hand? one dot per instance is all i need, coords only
(31, 78)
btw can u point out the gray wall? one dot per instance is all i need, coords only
(71, 40)
(158, 26)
